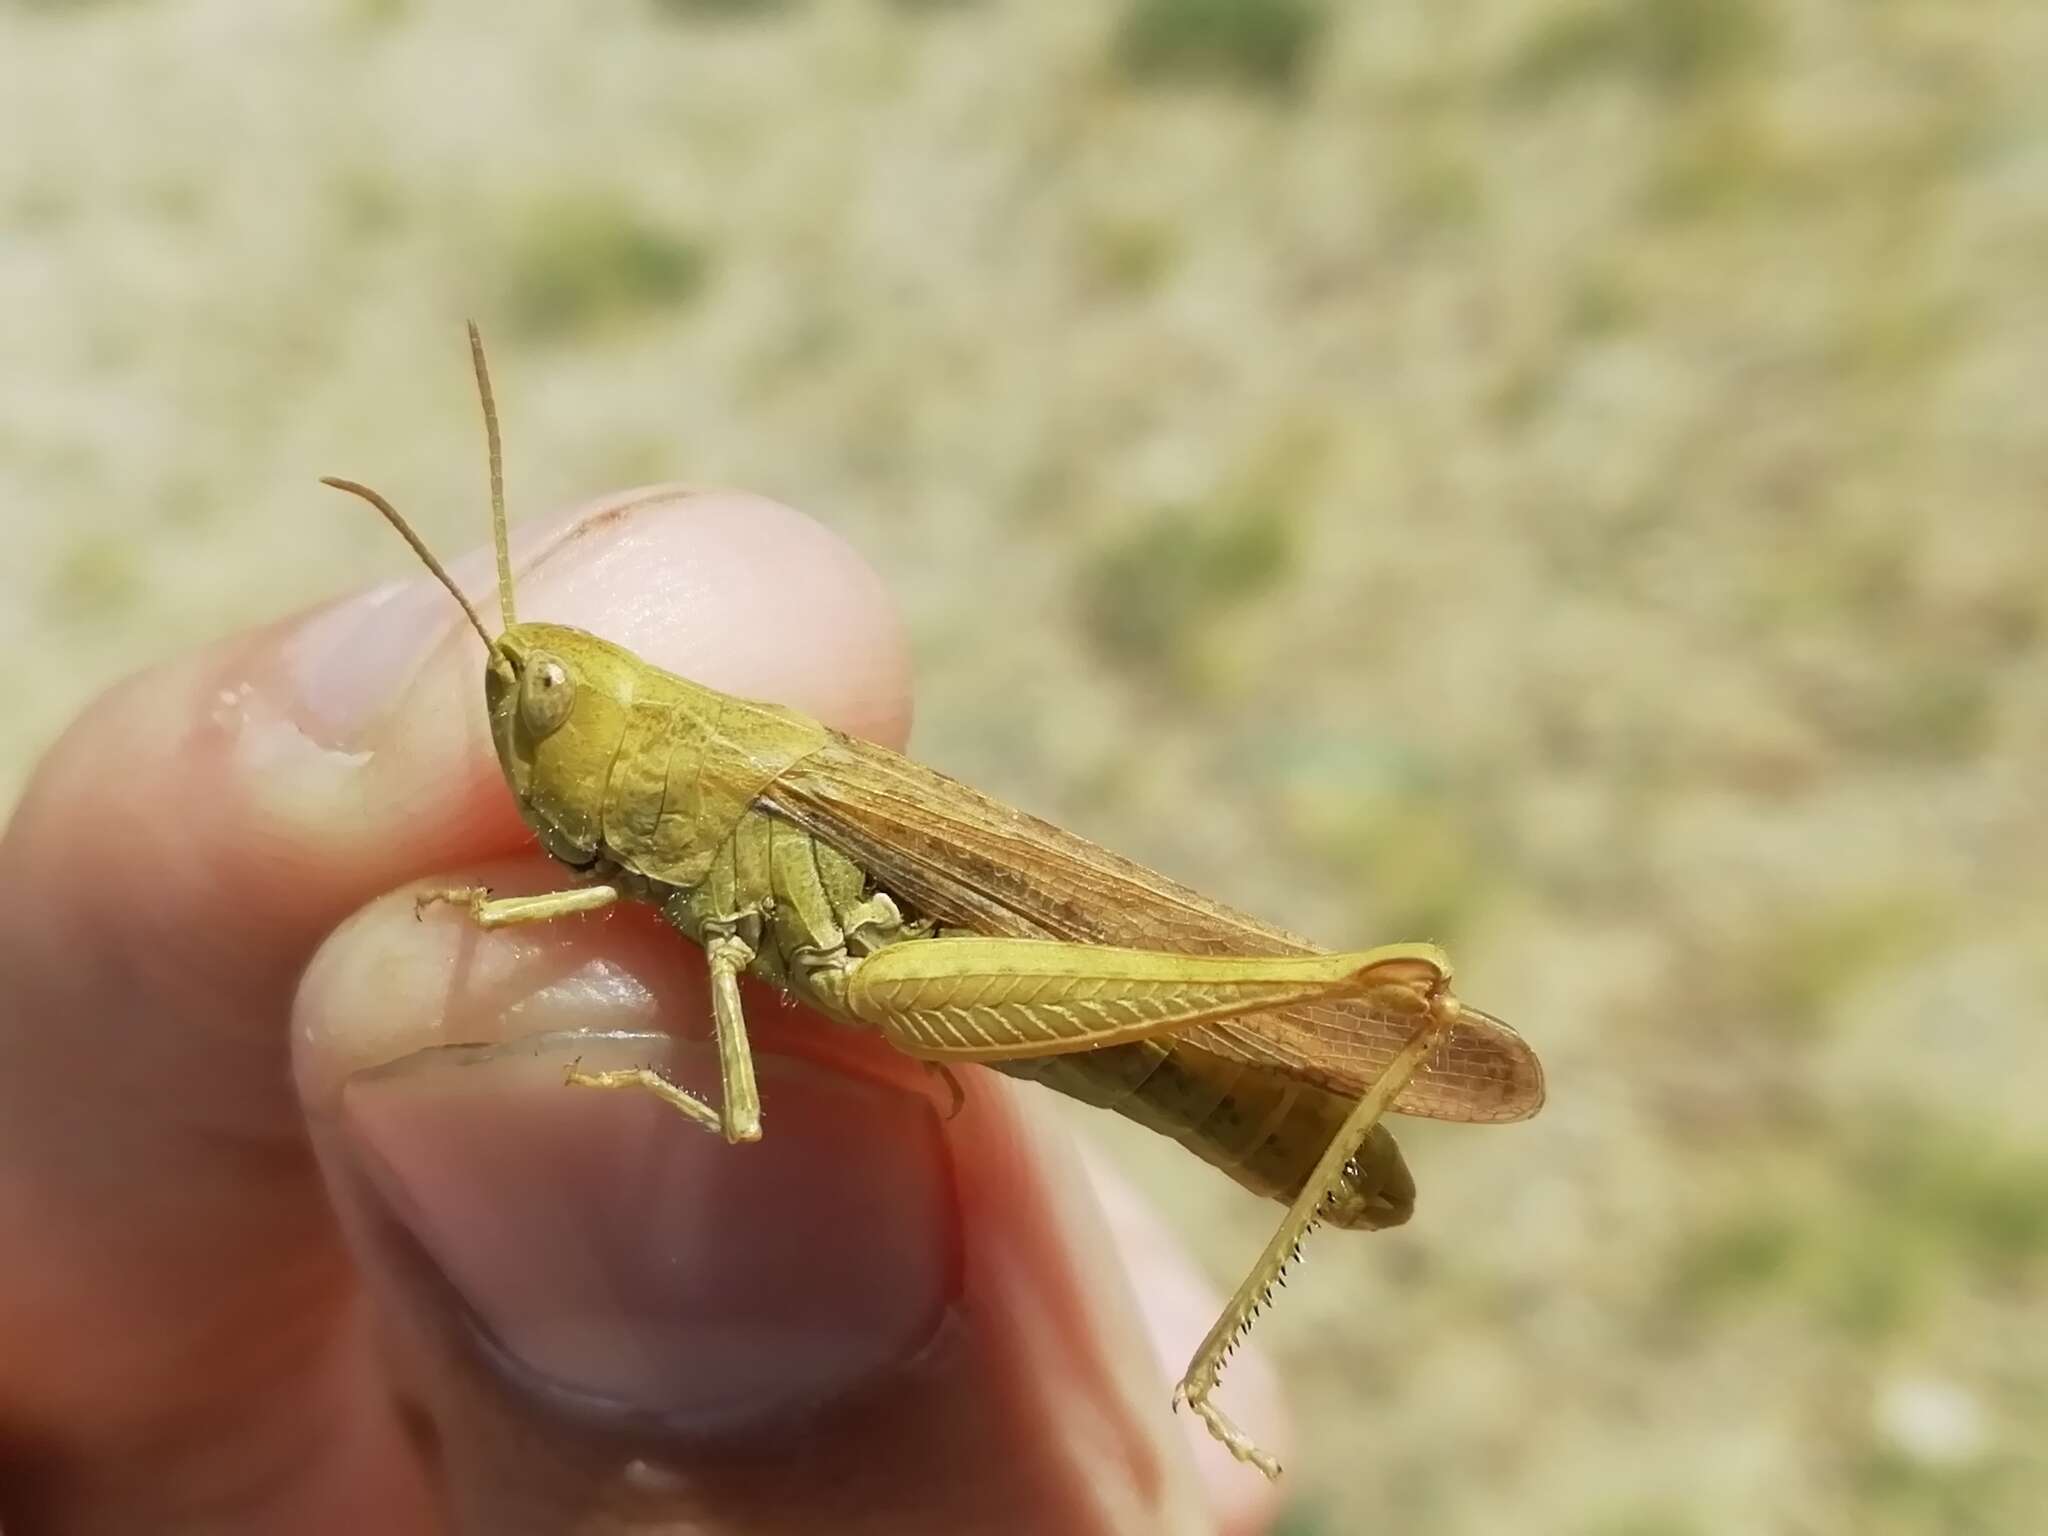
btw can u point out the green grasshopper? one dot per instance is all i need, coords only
(888, 896)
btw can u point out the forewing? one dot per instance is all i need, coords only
(971, 862)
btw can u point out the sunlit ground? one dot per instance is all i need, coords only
(1565, 480)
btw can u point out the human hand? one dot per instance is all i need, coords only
(271, 1262)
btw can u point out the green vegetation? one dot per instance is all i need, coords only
(1147, 594)
(1128, 257)
(1679, 46)
(1795, 980)
(1304, 1518)
(1875, 1239)
(94, 580)
(1417, 861)
(580, 263)
(721, 8)
(1263, 44)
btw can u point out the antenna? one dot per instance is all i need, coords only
(498, 537)
(419, 547)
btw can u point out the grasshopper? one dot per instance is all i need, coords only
(887, 896)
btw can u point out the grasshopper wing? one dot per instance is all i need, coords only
(970, 862)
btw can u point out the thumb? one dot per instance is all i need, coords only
(879, 1318)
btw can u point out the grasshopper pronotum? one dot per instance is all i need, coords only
(889, 896)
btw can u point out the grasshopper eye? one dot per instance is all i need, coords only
(545, 694)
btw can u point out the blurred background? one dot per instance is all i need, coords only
(1564, 478)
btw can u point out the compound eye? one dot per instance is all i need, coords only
(545, 694)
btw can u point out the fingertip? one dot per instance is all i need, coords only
(394, 980)
(736, 591)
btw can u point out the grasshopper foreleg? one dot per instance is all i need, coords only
(507, 910)
(1326, 1179)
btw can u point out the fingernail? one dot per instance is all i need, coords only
(351, 662)
(620, 1255)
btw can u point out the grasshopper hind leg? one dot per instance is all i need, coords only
(1332, 1176)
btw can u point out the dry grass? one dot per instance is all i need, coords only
(1566, 479)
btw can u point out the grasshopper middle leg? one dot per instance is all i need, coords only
(738, 1118)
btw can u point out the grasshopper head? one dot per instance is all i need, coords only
(557, 699)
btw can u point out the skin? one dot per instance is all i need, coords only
(274, 1262)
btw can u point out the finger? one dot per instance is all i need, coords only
(877, 1319)
(181, 1338)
